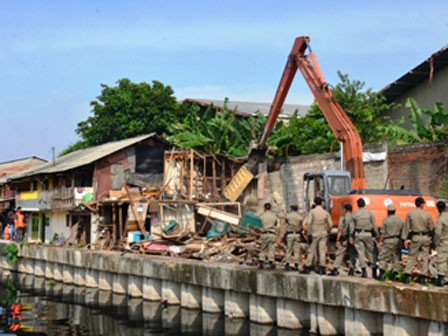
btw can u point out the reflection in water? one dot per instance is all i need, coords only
(52, 308)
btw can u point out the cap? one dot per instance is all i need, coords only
(391, 207)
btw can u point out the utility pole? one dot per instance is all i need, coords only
(53, 155)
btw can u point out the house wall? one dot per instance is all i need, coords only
(424, 95)
(58, 224)
(105, 177)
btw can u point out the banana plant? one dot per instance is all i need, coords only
(435, 127)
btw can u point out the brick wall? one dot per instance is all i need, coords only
(419, 166)
(284, 186)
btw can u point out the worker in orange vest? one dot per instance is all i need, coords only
(6, 233)
(19, 224)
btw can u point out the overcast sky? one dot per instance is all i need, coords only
(55, 54)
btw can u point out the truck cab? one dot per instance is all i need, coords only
(325, 184)
(334, 187)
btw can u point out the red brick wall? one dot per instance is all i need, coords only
(420, 166)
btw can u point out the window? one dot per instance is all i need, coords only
(338, 185)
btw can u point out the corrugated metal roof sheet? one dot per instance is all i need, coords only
(249, 108)
(82, 157)
(16, 166)
(416, 75)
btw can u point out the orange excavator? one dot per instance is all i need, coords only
(336, 187)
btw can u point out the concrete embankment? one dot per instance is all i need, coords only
(323, 304)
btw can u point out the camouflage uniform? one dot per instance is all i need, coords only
(391, 250)
(318, 225)
(441, 240)
(269, 223)
(345, 247)
(362, 227)
(418, 228)
(293, 237)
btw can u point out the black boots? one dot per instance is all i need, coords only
(364, 273)
(289, 268)
(394, 276)
(351, 272)
(334, 272)
(374, 274)
(440, 281)
(407, 278)
(270, 265)
(321, 270)
(381, 277)
(421, 279)
(306, 270)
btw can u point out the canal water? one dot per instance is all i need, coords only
(35, 306)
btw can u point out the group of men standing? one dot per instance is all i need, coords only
(357, 238)
(15, 224)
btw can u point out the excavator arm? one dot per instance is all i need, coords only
(339, 122)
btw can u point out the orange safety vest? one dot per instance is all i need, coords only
(6, 233)
(19, 222)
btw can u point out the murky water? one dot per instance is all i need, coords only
(51, 308)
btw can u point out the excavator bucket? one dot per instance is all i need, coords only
(238, 184)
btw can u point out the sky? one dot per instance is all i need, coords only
(55, 54)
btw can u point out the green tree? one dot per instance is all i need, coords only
(217, 131)
(312, 134)
(435, 128)
(128, 110)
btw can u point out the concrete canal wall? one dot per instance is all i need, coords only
(325, 305)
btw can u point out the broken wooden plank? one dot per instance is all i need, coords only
(218, 214)
(134, 209)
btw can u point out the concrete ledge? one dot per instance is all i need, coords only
(103, 267)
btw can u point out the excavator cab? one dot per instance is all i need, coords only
(325, 184)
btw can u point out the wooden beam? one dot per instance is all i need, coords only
(191, 173)
(120, 221)
(114, 223)
(141, 225)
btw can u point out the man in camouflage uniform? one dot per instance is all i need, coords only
(417, 234)
(343, 243)
(390, 242)
(441, 240)
(362, 228)
(293, 238)
(318, 225)
(269, 225)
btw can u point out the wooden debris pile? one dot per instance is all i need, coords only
(238, 247)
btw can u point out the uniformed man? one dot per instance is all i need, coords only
(362, 228)
(318, 225)
(343, 242)
(417, 233)
(269, 225)
(293, 238)
(441, 240)
(390, 242)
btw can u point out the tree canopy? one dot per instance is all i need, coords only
(132, 109)
(127, 110)
(312, 134)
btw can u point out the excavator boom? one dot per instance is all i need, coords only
(339, 122)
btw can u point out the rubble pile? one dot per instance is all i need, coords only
(236, 247)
